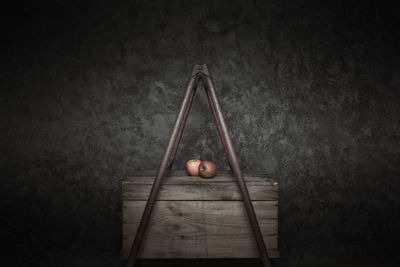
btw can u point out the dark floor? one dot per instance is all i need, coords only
(241, 263)
(61, 261)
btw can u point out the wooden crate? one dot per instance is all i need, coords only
(200, 218)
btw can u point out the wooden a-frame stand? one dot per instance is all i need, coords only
(199, 72)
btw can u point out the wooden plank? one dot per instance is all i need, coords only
(200, 229)
(220, 191)
(183, 173)
(155, 248)
(174, 230)
(180, 177)
(229, 232)
(132, 210)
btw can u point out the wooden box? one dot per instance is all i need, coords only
(200, 218)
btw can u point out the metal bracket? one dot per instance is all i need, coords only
(197, 69)
(199, 72)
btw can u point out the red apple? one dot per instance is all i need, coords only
(192, 167)
(207, 169)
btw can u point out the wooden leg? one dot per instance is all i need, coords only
(234, 163)
(169, 155)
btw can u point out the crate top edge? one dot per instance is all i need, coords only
(181, 177)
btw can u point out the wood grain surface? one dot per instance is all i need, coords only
(200, 218)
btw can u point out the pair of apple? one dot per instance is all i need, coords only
(196, 167)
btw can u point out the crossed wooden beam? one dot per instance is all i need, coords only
(199, 72)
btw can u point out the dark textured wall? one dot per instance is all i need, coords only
(90, 90)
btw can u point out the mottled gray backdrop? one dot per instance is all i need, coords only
(90, 91)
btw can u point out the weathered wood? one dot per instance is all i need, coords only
(203, 191)
(200, 229)
(229, 233)
(180, 177)
(183, 173)
(200, 218)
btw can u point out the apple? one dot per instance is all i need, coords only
(207, 169)
(192, 167)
